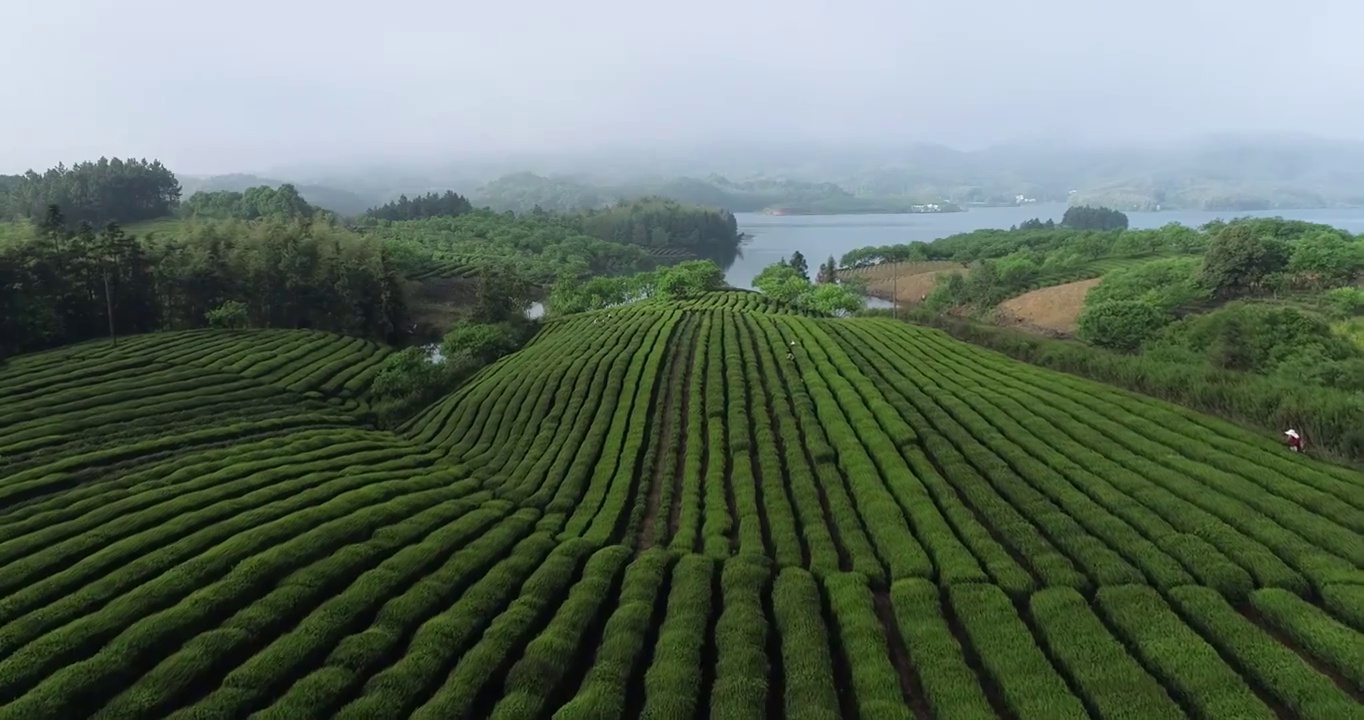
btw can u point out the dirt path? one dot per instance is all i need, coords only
(1281, 637)
(678, 379)
(1054, 309)
(899, 656)
(910, 290)
(755, 355)
(683, 435)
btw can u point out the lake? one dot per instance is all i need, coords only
(819, 236)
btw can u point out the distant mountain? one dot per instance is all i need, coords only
(1215, 173)
(525, 191)
(1226, 172)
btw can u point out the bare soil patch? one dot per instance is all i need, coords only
(909, 281)
(1055, 309)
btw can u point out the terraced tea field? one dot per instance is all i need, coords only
(716, 509)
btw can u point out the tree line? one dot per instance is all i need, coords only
(108, 190)
(265, 257)
(251, 204)
(422, 207)
(659, 223)
(60, 286)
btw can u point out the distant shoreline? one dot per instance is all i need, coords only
(782, 212)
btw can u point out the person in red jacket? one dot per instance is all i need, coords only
(1294, 440)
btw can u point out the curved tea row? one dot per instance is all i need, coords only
(719, 508)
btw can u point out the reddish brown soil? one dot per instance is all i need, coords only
(1055, 309)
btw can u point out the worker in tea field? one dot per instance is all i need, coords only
(1294, 440)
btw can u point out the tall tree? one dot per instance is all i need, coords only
(1084, 217)
(125, 191)
(1239, 259)
(828, 272)
(421, 207)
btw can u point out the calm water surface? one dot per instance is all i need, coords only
(819, 236)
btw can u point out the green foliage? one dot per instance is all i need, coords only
(656, 222)
(415, 377)
(333, 199)
(1346, 302)
(1167, 283)
(502, 295)
(526, 192)
(687, 280)
(828, 271)
(682, 281)
(1239, 260)
(408, 373)
(1324, 259)
(1333, 419)
(122, 191)
(422, 207)
(287, 274)
(433, 235)
(283, 203)
(832, 299)
(1122, 325)
(231, 315)
(1084, 217)
(783, 282)
(1043, 241)
(475, 344)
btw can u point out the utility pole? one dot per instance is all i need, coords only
(895, 292)
(108, 302)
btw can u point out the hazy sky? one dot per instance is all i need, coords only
(251, 84)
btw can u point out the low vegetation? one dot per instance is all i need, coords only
(718, 505)
(1254, 319)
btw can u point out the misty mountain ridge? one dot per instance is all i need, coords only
(1222, 172)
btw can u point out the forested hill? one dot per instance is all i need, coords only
(267, 258)
(124, 191)
(338, 200)
(525, 192)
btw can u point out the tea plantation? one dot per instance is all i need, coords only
(712, 509)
